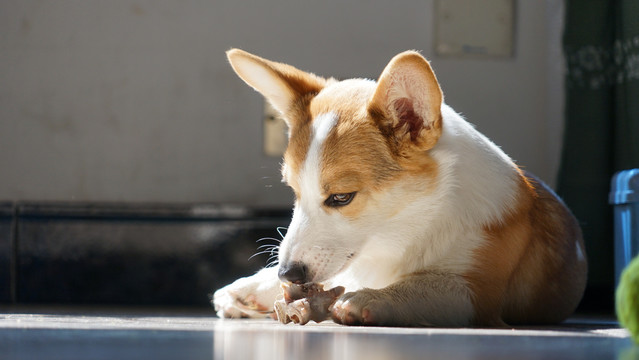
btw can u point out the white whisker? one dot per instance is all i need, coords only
(269, 238)
(258, 253)
(269, 249)
(280, 229)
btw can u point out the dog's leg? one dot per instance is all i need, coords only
(423, 299)
(251, 296)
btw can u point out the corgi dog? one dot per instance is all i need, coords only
(398, 199)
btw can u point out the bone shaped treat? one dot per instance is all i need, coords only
(305, 302)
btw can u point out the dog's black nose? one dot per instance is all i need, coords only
(295, 272)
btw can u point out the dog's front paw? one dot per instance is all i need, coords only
(249, 297)
(363, 307)
(229, 303)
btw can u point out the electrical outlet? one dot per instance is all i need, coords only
(275, 132)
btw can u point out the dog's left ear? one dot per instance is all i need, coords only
(281, 84)
(407, 102)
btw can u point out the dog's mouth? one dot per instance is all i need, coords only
(322, 273)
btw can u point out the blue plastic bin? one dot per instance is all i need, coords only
(624, 195)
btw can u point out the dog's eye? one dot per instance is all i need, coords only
(337, 200)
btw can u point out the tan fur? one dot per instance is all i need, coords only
(299, 142)
(529, 270)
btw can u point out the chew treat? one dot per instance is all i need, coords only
(305, 302)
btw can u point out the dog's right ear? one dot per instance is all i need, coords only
(407, 103)
(281, 84)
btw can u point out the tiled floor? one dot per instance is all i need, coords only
(30, 333)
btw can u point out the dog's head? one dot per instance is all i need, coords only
(357, 155)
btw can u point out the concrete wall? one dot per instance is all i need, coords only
(132, 100)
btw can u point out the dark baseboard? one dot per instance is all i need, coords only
(128, 254)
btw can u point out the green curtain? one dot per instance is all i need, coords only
(601, 135)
